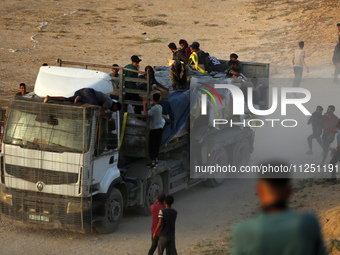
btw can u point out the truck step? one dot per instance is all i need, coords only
(97, 219)
(95, 192)
(178, 188)
(178, 177)
(96, 204)
(194, 182)
(175, 166)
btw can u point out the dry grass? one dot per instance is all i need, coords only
(153, 23)
(141, 40)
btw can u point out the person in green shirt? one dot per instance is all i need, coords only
(277, 229)
(131, 84)
(133, 66)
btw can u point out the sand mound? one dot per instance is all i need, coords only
(330, 221)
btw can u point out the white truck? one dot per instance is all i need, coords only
(66, 166)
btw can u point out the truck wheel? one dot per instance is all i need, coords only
(154, 187)
(241, 153)
(113, 212)
(220, 157)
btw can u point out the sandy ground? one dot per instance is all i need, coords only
(106, 32)
(202, 214)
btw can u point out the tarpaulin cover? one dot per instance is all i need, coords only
(180, 104)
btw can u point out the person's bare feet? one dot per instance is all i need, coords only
(47, 98)
(76, 100)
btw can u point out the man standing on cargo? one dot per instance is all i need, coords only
(178, 54)
(133, 66)
(156, 128)
(167, 219)
(131, 84)
(179, 76)
(155, 209)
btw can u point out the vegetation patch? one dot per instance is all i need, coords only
(142, 40)
(153, 23)
(211, 25)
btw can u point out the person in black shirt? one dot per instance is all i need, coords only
(237, 64)
(316, 121)
(178, 54)
(195, 47)
(167, 219)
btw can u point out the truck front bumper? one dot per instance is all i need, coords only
(47, 210)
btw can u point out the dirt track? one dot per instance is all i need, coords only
(202, 214)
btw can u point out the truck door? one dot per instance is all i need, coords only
(106, 147)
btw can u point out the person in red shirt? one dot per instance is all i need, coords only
(185, 46)
(155, 208)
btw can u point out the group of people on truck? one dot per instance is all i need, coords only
(201, 61)
(192, 57)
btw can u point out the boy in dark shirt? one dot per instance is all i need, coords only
(237, 65)
(22, 90)
(316, 121)
(231, 69)
(167, 219)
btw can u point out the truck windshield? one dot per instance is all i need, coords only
(48, 128)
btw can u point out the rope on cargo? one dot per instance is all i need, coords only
(193, 59)
(125, 119)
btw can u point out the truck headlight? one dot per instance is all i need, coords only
(6, 198)
(76, 207)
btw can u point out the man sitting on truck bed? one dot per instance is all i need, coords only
(90, 96)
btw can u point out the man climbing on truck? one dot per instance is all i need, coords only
(156, 128)
(90, 96)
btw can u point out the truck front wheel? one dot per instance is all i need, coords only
(154, 187)
(113, 212)
(241, 153)
(220, 157)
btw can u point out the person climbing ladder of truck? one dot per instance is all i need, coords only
(90, 96)
(156, 128)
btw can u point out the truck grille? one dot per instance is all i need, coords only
(34, 175)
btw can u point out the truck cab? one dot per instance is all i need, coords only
(57, 158)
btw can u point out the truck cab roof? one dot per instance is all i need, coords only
(64, 81)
